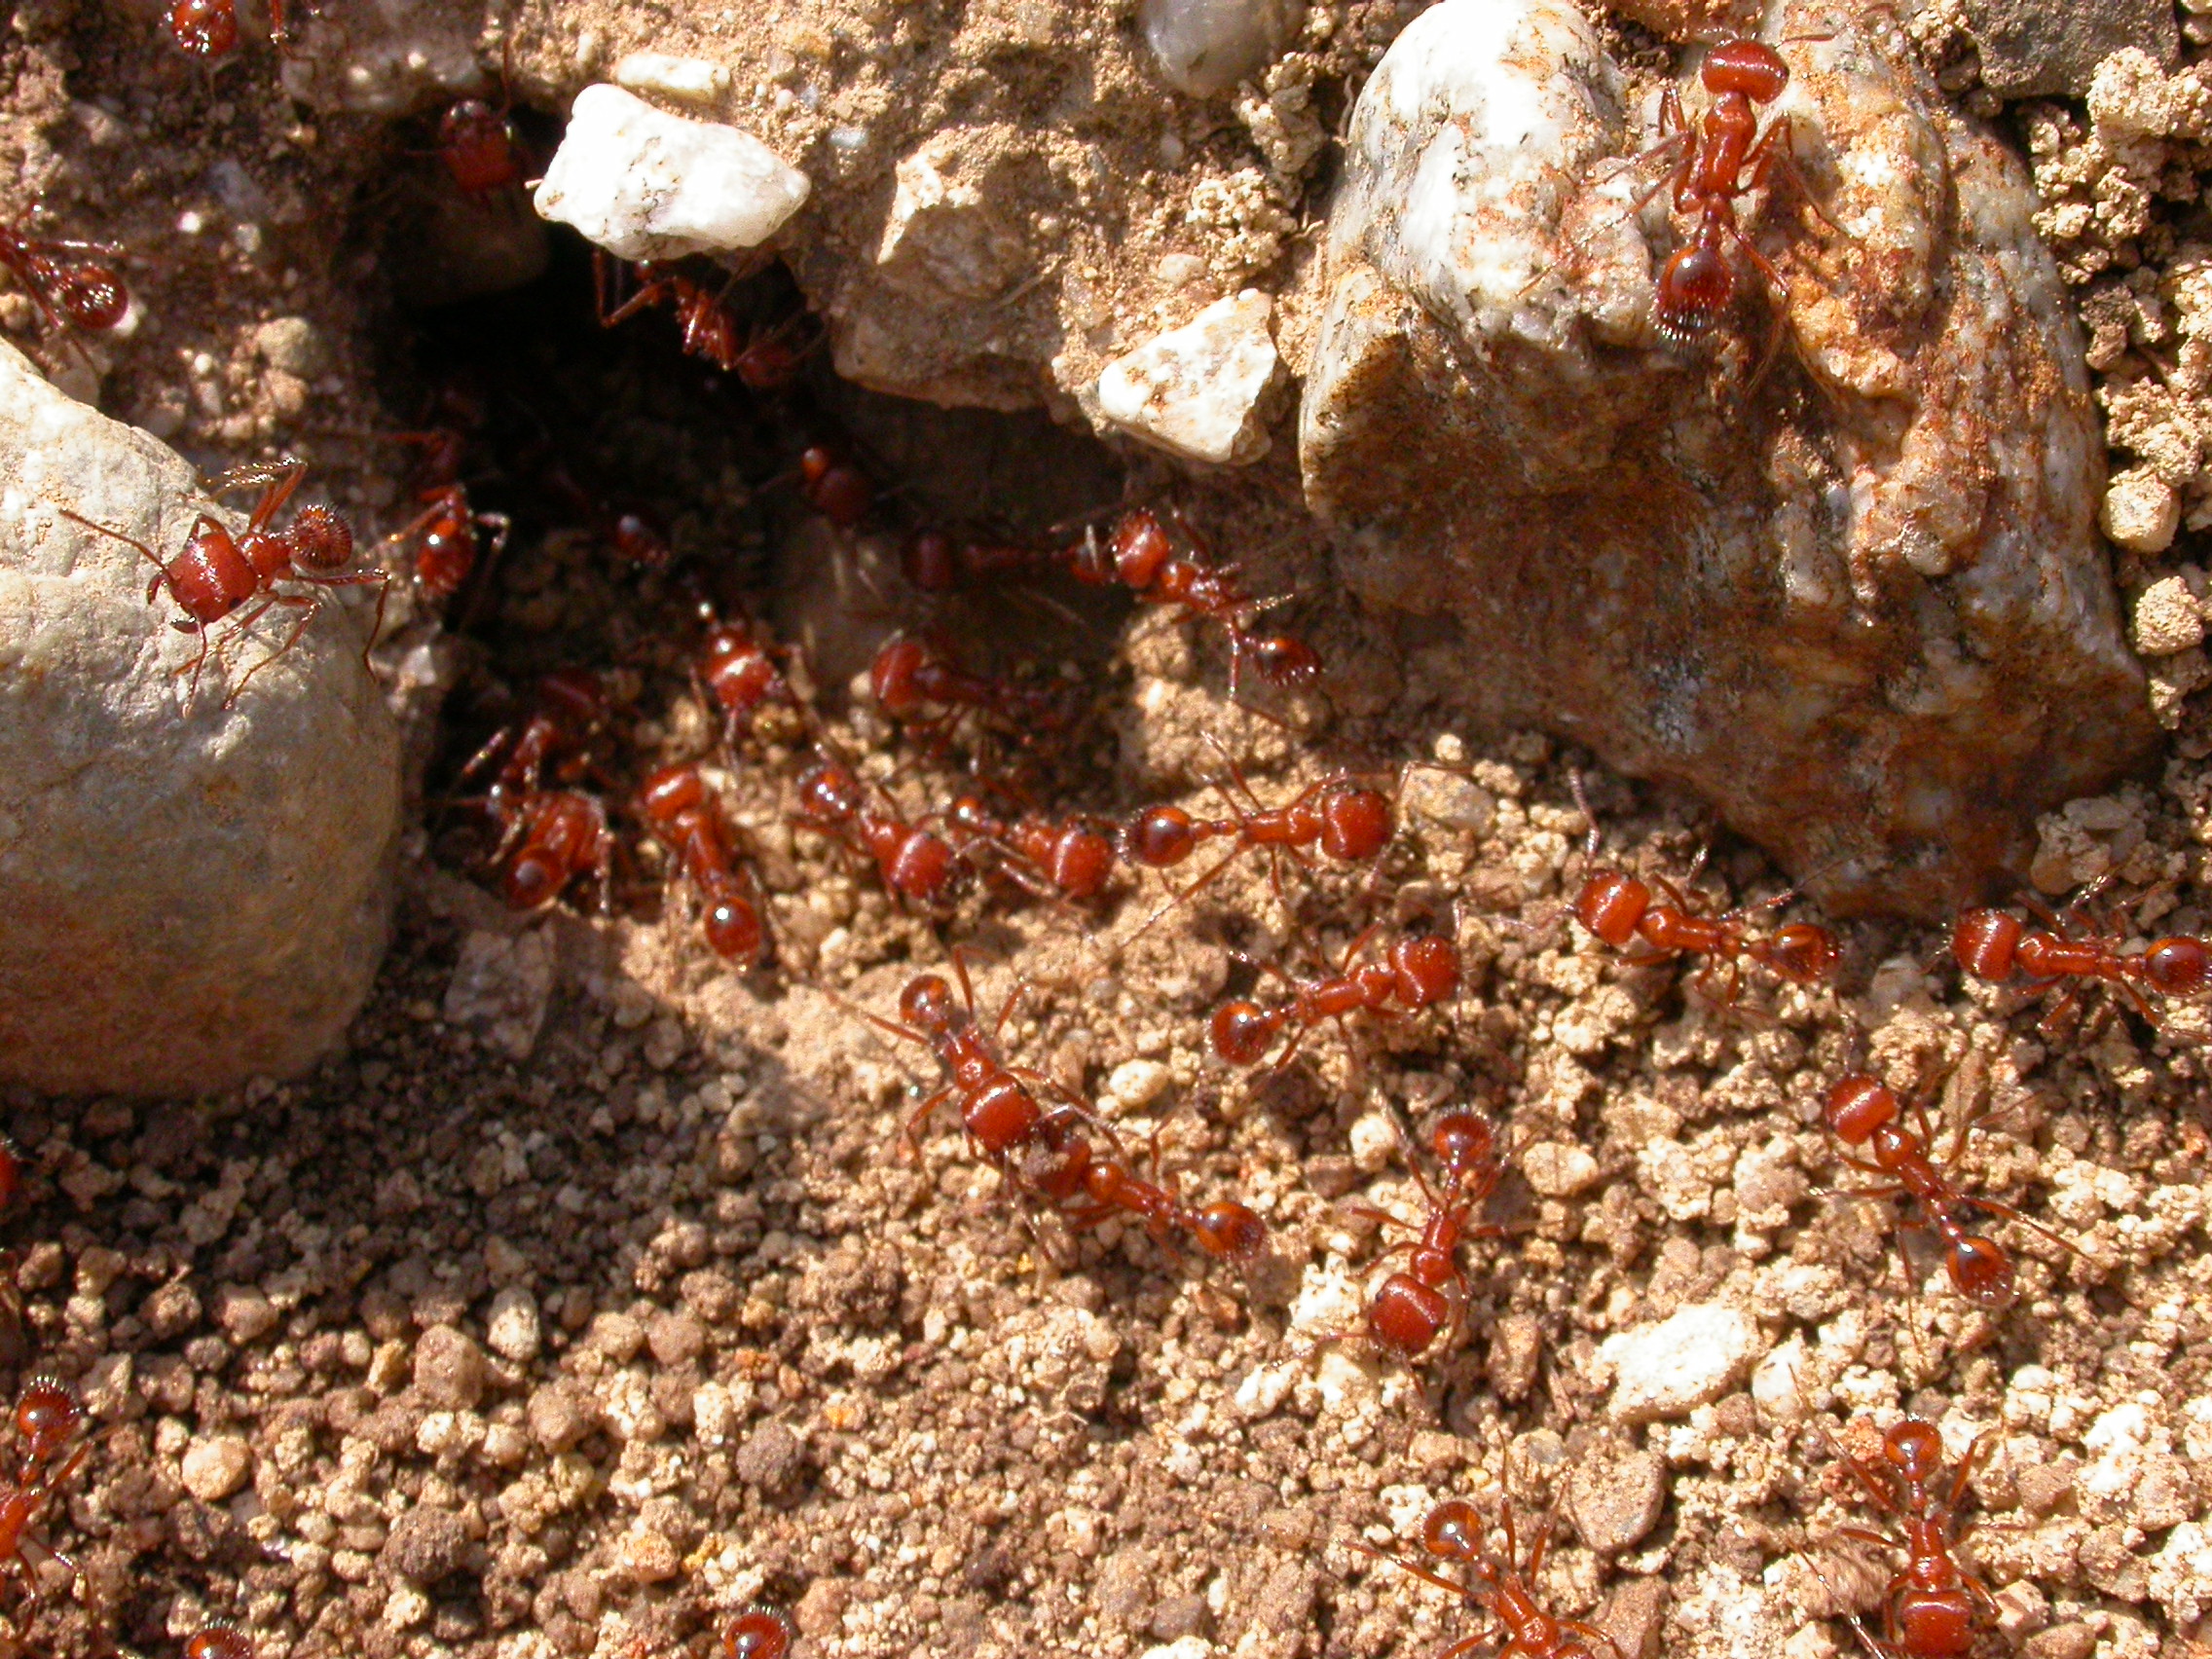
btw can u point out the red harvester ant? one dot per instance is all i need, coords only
(676, 807)
(914, 862)
(217, 574)
(65, 279)
(833, 486)
(1143, 557)
(1429, 1294)
(1073, 859)
(1993, 945)
(570, 709)
(547, 837)
(1621, 910)
(477, 142)
(444, 538)
(909, 674)
(1863, 1112)
(218, 1642)
(759, 1633)
(1454, 1532)
(766, 361)
(46, 1417)
(1225, 1231)
(738, 672)
(1413, 973)
(938, 562)
(208, 29)
(1929, 1611)
(1724, 158)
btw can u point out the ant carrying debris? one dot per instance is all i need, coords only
(218, 576)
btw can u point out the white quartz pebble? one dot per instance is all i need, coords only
(1198, 390)
(645, 184)
(693, 79)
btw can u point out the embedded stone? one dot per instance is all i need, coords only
(1199, 390)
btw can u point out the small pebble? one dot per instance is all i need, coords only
(2141, 511)
(214, 1469)
(1616, 1500)
(1557, 1171)
(425, 1544)
(513, 1330)
(448, 1369)
(692, 80)
(1664, 1371)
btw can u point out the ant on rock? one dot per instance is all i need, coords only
(1413, 973)
(1862, 1112)
(1723, 159)
(1453, 1532)
(1620, 909)
(1930, 1608)
(1993, 945)
(219, 575)
(46, 1417)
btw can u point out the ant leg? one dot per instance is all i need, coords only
(911, 1130)
(276, 480)
(1589, 1632)
(1775, 153)
(306, 605)
(2033, 1226)
(1419, 1572)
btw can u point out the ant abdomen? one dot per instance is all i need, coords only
(1160, 836)
(1355, 822)
(1229, 1231)
(1980, 1272)
(1427, 970)
(218, 1642)
(2179, 966)
(1243, 1032)
(1856, 1107)
(758, 1633)
(1406, 1314)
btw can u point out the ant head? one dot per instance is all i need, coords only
(758, 1633)
(1985, 940)
(1357, 823)
(1427, 971)
(830, 794)
(669, 792)
(1856, 1107)
(1243, 1032)
(1141, 545)
(1453, 1531)
(1803, 952)
(206, 28)
(218, 1642)
(1229, 1232)
(2180, 967)
(1750, 67)
(733, 929)
(475, 143)
(927, 1004)
(1281, 659)
(1980, 1272)
(320, 540)
(1695, 287)
(1610, 904)
(1461, 1140)
(922, 867)
(1914, 1449)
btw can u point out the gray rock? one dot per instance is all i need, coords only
(193, 894)
(1861, 608)
(2033, 49)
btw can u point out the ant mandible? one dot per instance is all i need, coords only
(1862, 1112)
(1619, 909)
(759, 1633)
(65, 279)
(1414, 972)
(46, 1417)
(1930, 1608)
(676, 805)
(1453, 1532)
(217, 574)
(1993, 945)
(1725, 159)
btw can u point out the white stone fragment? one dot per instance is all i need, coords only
(942, 238)
(2141, 511)
(645, 184)
(1197, 390)
(693, 80)
(1664, 1371)
(500, 989)
(513, 1330)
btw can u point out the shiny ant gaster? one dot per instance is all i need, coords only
(1414, 972)
(677, 807)
(759, 1633)
(207, 29)
(1929, 1611)
(1453, 1532)
(65, 279)
(1862, 1112)
(219, 575)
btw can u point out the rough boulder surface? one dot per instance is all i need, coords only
(193, 894)
(1869, 619)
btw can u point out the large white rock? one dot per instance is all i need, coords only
(645, 184)
(1199, 389)
(189, 894)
